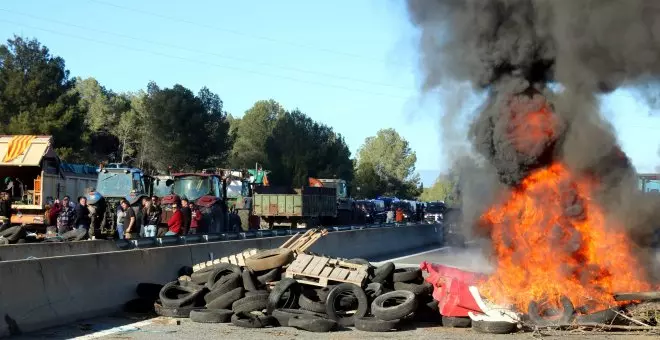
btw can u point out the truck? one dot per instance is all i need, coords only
(35, 177)
(205, 189)
(114, 183)
(312, 206)
(649, 183)
(346, 206)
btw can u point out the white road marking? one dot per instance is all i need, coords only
(417, 254)
(114, 330)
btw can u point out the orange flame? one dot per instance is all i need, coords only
(552, 239)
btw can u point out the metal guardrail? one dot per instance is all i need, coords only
(151, 242)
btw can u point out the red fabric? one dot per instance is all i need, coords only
(399, 215)
(197, 216)
(53, 212)
(175, 222)
(451, 289)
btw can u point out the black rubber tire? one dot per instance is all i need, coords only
(272, 275)
(607, 316)
(405, 304)
(493, 327)
(334, 298)
(406, 274)
(173, 312)
(211, 315)
(257, 292)
(284, 315)
(428, 312)
(185, 271)
(374, 290)
(222, 270)
(323, 292)
(252, 303)
(285, 285)
(225, 301)
(311, 301)
(417, 289)
(149, 291)
(456, 322)
(383, 273)
(139, 306)
(248, 320)
(312, 323)
(223, 286)
(566, 315)
(371, 324)
(185, 295)
(202, 276)
(249, 283)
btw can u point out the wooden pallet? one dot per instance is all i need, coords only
(237, 259)
(299, 243)
(321, 271)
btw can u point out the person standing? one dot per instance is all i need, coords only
(150, 218)
(175, 222)
(82, 220)
(390, 216)
(186, 215)
(5, 210)
(121, 218)
(66, 217)
(195, 219)
(131, 222)
(161, 228)
(399, 215)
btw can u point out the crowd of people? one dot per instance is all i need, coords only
(186, 219)
(131, 222)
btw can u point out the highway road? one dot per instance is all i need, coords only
(125, 327)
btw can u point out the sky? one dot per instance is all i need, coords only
(352, 65)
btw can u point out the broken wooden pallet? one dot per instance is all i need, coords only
(299, 243)
(321, 271)
(237, 259)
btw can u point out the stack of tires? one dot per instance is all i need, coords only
(257, 296)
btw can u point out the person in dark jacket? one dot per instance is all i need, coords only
(5, 211)
(82, 219)
(150, 218)
(186, 215)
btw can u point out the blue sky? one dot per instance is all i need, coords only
(349, 64)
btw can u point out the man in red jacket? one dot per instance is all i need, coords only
(176, 221)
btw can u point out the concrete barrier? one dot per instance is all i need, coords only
(49, 249)
(45, 292)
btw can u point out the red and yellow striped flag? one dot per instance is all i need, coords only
(17, 146)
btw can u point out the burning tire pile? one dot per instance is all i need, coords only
(259, 295)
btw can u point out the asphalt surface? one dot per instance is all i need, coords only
(144, 328)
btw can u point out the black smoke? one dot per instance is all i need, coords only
(519, 52)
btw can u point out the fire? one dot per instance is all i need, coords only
(552, 239)
(531, 125)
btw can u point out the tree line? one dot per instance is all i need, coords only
(161, 129)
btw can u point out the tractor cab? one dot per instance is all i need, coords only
(205, 190)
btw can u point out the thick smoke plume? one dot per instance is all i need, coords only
(517, 51)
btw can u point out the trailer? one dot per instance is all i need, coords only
(34, 175)
(311, 206)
